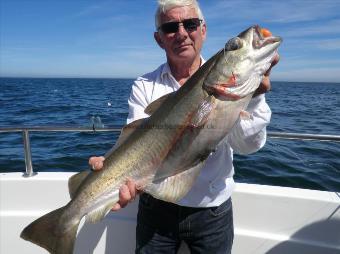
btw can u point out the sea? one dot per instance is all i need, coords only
(298, 107)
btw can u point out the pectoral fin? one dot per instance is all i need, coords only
(201, 115)
(175, 187)
(100, 212)
(182, 156)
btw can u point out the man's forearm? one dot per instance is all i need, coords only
(249, 134)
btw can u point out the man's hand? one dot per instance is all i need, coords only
(127, 192)
(265, 83)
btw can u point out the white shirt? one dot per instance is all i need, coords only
(215, 183)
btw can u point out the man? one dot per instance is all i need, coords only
(203, 218)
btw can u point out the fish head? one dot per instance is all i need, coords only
(241, 64)
(256, 47)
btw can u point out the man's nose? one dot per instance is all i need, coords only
(181, 30)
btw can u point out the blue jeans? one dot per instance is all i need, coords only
(161, 226)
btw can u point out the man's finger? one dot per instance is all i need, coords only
(127, 193)
(116, 207)
(132, 189)
(265, 84)
(276, 59)
(124, 196)
(94, 159)
(96, 163)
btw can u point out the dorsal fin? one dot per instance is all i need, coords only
(153, 106)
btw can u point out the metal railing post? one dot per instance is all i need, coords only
(28, 157)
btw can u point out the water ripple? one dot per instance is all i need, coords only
(296, 107)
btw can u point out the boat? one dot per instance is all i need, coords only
(267, 219)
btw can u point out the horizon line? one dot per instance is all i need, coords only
(71, 77)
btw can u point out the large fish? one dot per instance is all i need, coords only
(164, 153)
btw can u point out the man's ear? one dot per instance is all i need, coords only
(204, 31)
(158, 39)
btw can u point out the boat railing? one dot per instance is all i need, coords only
(27, 147)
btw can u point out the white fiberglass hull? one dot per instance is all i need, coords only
(271, 220)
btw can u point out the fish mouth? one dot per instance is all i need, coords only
(259, 41)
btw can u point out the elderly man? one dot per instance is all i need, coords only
(203, 218)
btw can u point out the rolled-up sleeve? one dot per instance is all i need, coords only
(249, 135)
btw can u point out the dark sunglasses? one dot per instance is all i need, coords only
(189, 25)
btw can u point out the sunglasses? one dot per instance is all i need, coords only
(189, 25)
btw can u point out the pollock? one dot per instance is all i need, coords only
(165, 152)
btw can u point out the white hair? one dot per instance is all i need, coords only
(165, 5)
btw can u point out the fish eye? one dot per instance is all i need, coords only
(233, 44)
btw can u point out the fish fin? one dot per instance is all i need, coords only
(175, 187)
(47, 232)
(75, 181)
(177, 158)
(203, 112)
(99, 213)
(153, 106)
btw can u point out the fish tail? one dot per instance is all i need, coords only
(50, 233)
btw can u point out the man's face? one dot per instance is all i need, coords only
(181, 45)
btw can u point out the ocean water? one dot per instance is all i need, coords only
(296, 107)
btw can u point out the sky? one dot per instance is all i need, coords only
(114, 38)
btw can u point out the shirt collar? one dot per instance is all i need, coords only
(167, 71)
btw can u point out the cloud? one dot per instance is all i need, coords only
(329, 44)
(331, 27)
(302, 62)
(302, 11)
(288, 11)
(122, 61)
(325, 74)
(312, 46)
(88, 10)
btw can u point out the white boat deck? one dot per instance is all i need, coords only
(271, 220)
